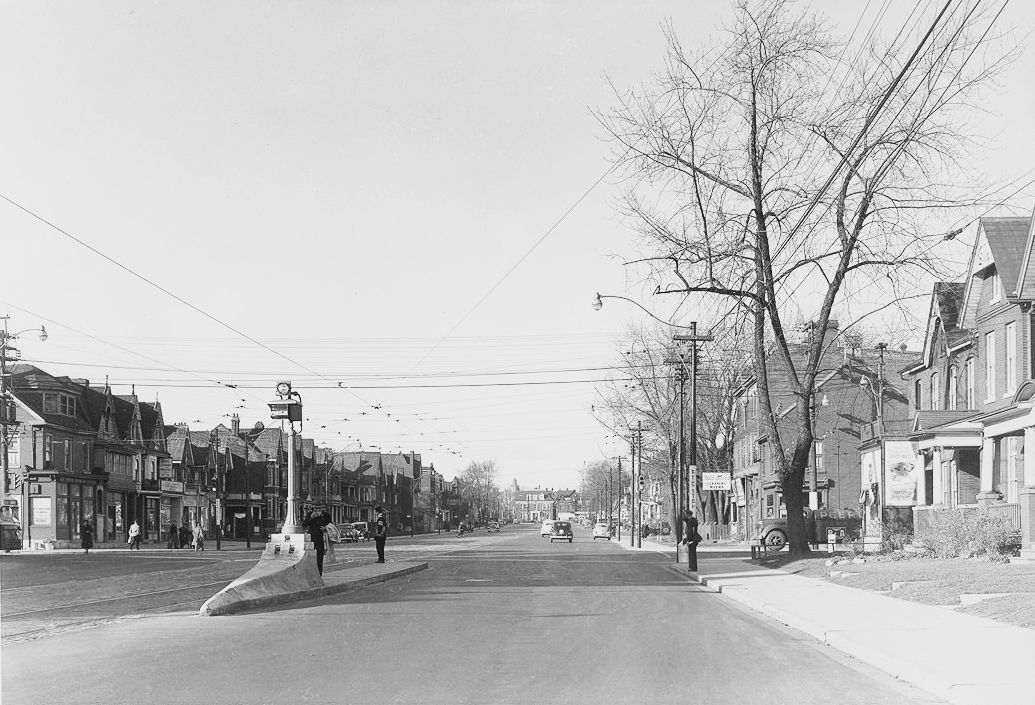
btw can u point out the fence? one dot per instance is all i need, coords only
(925, 518)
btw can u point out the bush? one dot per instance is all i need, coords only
(895, 538)
(958, 534)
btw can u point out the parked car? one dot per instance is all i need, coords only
(547, 528)
(561, 530)
(348, 534)
(363, 528)
(494, 526)
(601, 531)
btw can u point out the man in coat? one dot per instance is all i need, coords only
(380, 533)
(314, 524)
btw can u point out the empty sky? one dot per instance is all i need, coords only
(401, 207)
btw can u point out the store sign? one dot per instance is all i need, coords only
(715, 481)
(171, 486)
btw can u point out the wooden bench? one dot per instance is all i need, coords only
(758, 548)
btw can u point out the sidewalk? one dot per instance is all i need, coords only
(963, 659)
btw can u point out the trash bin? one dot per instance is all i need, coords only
(10, 537)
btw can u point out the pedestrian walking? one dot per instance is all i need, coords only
(314, 523)
(380, 533)
(86, 534)
(184, 535)
(134, 535)
(174, 536)
(691, 538)
(199, 538)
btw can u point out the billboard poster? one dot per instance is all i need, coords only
(900, 474)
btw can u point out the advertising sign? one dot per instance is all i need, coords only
(900, 474)
(715, 481)
(41, 511)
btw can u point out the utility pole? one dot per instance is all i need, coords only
(680, 363)
(881, 347)
(637, 457)
(618, 498)
(691, 481)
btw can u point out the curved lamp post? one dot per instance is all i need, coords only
(7, 418)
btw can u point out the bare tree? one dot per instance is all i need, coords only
(790, 177)
(479, 486)
(645, 390)
(601, 487)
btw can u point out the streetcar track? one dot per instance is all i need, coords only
(118, 598)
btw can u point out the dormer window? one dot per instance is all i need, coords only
(997, 287)
(59, 404)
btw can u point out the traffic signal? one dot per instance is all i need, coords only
(641, 483)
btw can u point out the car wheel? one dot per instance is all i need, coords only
(775, 540)
(569, 540)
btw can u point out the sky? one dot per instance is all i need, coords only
(403, 208)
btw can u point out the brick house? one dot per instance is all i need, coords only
(972, 391)
(842, 404)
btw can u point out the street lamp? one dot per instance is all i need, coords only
(289, 407)
(598, 303)
(7, 418)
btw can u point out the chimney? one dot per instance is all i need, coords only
(235, 424)
(81, 382)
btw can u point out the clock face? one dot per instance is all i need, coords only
(283, 388)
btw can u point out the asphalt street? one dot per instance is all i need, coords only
(497, 618)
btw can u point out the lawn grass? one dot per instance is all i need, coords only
(932, 581)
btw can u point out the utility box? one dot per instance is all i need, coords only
(836, 525)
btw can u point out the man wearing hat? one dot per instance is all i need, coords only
(380, 532)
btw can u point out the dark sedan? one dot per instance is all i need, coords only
(560, 531)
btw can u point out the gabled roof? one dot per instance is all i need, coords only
(152, 426)
(943, 320)
(1000, 242)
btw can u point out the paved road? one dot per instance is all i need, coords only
(501, 618)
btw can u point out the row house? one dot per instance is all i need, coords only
(80, 453)
(843, 402)
(973, 390)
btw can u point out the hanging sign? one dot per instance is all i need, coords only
(712, 481)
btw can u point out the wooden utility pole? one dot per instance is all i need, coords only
(690, 482)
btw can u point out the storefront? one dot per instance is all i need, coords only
(237, 507)
(58, 505)
(171, 509)
(115, 525)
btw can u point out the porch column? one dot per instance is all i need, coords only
(1029, 457)
(987, 464)
(937, 478)
(921, 481)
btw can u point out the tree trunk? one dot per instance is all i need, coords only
(792, 486)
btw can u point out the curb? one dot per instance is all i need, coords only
(335, 587)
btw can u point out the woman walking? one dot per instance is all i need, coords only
(199, 538)
(86, 534)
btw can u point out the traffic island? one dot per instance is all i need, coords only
(287, 567)
(290, 575)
